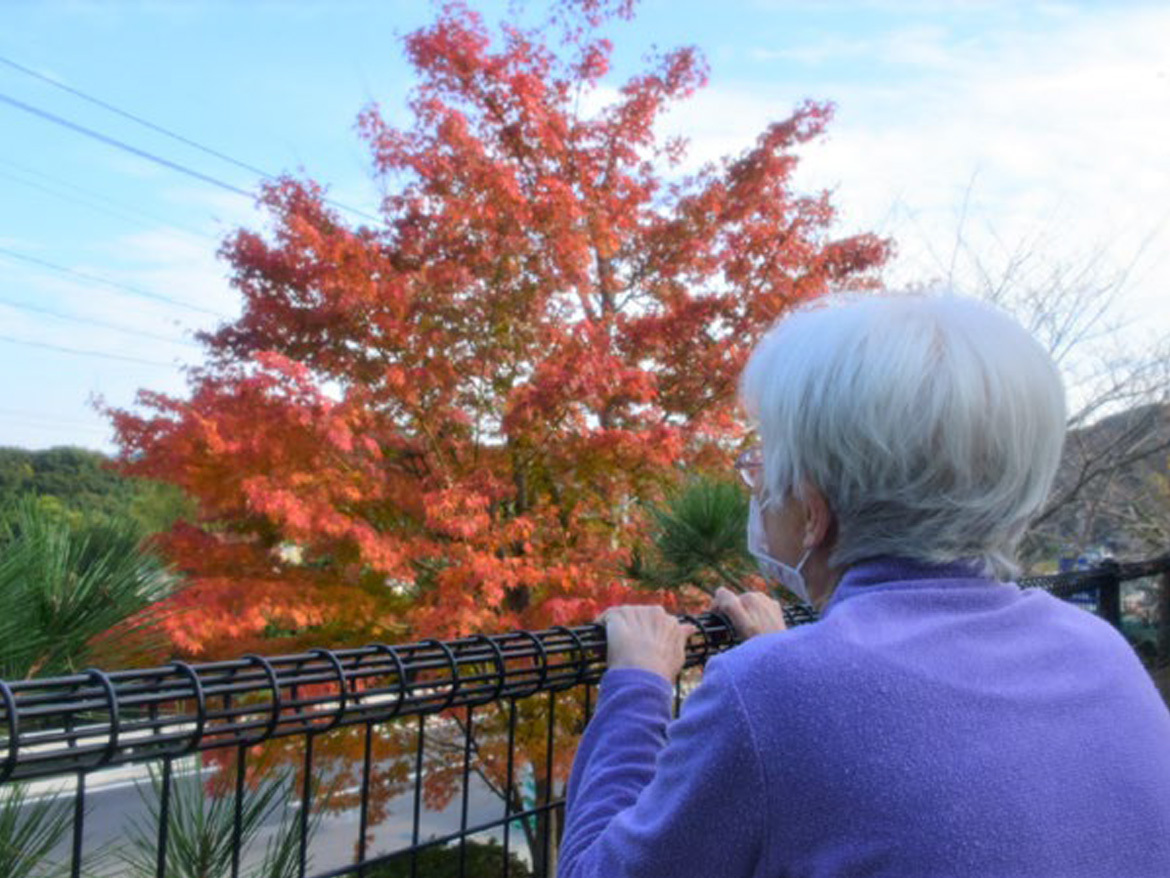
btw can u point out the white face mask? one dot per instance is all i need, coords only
(773, 570)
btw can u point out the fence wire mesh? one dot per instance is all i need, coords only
(482, 726)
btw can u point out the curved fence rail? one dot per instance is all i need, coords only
(97, 719)
(77, 725)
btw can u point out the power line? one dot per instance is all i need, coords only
(116, 209)
(83, 353)
(136, 291)
(90, 321)
(119, 144)
(132, 117)
(118, 214)
(125, 114)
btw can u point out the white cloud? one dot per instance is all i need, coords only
(53, 400)
(1056, 137)
(178, 266)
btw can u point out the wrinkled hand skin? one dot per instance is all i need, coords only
(751, 613)
(648, 638)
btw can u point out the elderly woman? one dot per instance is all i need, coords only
(936, 721)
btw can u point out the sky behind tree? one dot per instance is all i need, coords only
(1018, 128)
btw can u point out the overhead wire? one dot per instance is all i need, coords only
(133, 290)
(159, 129)
(125, 114)
(122, 145)
(53, 426)
(88, 198)
(91, 321)
(101, 208)
(136, 291)
(84, 353)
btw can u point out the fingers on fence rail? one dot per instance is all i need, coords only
(702, 632)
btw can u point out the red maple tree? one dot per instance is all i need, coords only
(448, 420)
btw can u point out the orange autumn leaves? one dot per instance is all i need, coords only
(446, 422)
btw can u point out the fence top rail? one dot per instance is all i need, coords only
(96, 719)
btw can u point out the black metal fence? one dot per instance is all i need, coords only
(490, 709)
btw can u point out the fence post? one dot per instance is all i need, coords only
(1109, 593)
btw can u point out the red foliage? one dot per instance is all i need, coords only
(455, 414)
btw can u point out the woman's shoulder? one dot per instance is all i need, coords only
(884, 632)
(1070, 623)
(780, 655)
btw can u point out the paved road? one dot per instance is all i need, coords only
(113, 802)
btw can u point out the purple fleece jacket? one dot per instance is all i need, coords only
(932, 724)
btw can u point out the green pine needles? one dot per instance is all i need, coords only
(200, 830)
(698, 539)
(63, 585)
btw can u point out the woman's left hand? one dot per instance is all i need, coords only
(646, 637)
(751, 613)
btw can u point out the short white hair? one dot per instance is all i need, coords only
(932, 424)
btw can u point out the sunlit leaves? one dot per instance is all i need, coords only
(450, 422)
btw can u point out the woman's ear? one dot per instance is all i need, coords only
(820, 525)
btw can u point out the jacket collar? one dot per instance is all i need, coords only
(905, 572)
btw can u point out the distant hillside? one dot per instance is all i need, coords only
(1117, 467)
(83, 484)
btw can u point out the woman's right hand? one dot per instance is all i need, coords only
(751, 613)
(647, 638)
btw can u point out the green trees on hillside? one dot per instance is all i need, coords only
(81, 485)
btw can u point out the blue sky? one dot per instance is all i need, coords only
(1020, 128)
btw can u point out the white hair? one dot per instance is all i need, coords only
(932, 424)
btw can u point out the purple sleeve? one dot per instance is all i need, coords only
(648, 797)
